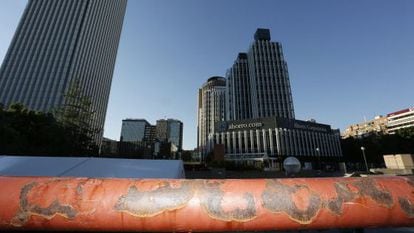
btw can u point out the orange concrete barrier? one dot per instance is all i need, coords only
(85, 204)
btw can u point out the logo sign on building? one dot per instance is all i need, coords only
(271, 123)
(246, 125)
(298, 125)
(239, 125)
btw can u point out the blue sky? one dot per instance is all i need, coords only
(347, 59)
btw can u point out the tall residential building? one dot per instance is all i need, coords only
(58, 43)
(211, 108)
(271, 94)
(238, 97)
(170, 130)
(400, 120)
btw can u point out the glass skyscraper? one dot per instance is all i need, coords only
(258, 82)
(57, 43)
(238, 90)
(260, 115)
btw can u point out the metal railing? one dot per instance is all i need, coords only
(86, 204)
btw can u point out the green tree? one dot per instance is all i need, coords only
(68, 132)
(77, 109)
(186, 155)
(406, 133)
(30, 133)
(377, 146)
(76, 116)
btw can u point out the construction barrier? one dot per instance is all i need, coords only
(89, 204)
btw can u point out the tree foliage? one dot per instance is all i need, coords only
(76, 116)
(378, 145)
(186, 155)
(406, 133)
(25, 132)
(67, 132)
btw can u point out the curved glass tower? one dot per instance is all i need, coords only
(211, 108)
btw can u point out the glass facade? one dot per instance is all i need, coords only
(58, 42)
(176, 133)
(258, 82)
(276, 142)
(170, 130)
(134, 130)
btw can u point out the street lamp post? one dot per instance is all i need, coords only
(319, 157)
(365, 159)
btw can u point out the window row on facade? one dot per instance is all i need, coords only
(277, 142)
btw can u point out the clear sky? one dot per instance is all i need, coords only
(347, 58)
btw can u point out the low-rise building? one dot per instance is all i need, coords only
(134, 130)
(275, 137)
(388, 124)
(109, 147)
(399, 161)
(376, 126)
(140, 139)
(171, 131)
(135, 140)
(400, 120)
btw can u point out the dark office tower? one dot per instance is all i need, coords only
(269, 79)
(58, 43)
(170, 130)
(135, 130)
(238, 90)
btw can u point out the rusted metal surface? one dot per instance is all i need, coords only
(33, 203)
